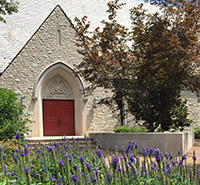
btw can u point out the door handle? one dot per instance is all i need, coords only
(59, 122)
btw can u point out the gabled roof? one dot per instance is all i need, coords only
(21, 26)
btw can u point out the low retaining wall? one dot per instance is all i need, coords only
(166, 142)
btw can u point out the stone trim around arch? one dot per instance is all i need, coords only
(58, 81)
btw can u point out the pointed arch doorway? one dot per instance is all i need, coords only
(60, 102)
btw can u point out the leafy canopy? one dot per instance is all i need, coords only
(7, 7)
(162, 60)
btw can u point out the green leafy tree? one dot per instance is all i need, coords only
(7, 7)
(163, 60)
(12, 117)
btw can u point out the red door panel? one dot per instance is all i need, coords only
(58, 117)
(66, 110)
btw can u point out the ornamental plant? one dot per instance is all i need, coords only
(64, 163)
(12, 116)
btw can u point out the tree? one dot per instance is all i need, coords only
(12, 117)
(163, 59)
(7, 7)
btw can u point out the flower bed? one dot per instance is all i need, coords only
(166, 142)
(61, 164)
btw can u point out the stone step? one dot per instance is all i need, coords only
(81, 140)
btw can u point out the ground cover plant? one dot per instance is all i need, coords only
(130, 129)
(60, 163)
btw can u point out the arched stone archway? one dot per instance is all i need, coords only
(58, 83)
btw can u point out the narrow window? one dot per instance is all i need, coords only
(59, 37)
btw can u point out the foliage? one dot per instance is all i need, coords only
(197, 132)
(65, 163)
(130, 129)
(149, 75)
(7, 7)
(12, 117)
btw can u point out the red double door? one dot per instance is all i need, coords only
(58, 117)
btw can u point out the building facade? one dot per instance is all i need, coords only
(43, 71)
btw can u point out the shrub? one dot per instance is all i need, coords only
(131, 129)
(197, 132)
(12, 117)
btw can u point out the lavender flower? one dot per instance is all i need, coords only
(74, 178)
(50, 177)
(5, 170)
(75, 166)
(157, 154)
(94, 179)
(184, 157)
(115, 161)
(145, 153)
(96, 171)
(18, 135)
(34, 174)
(26, 170)
(15, 157)
(98, 152)
(151, 150)
(60, 163)
(194, 156)
(88, 167)
(12, 174)
(82, 159)
(129, 147)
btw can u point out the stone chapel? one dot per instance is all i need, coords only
(43, 72)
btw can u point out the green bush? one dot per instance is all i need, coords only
(131, 129)
(197, 132)
(12, 117)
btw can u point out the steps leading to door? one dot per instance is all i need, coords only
(81, 140)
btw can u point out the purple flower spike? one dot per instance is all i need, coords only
(115, 161)
(12, 174)
(94, 180)
(15, 157)
(129, 147)
(145, 153)
(26, 170)
(179, 152)
(18, 135)
(88, 167)
(50, 177)
(82, 159)
(131, 156)
(34, 174)
(98, 152)
(136, 146)
(184, 157)
(157, 154)
(151, 150)
(75, 166)
(96, 171)
(194, 156)
(74, 178)
(60, 163)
